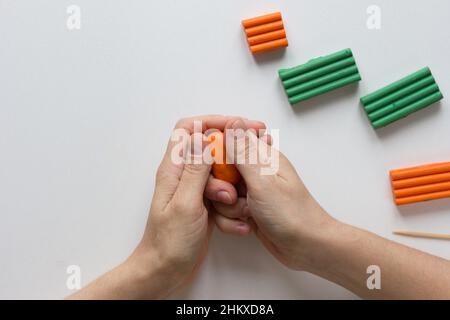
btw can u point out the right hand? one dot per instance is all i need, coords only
(277, 207)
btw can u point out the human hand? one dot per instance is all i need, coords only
(176, 238)
(283, 214)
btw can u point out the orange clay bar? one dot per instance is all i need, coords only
(422, 183)
(222, 170)
(265, 33)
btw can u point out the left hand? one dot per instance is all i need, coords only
(180, 223)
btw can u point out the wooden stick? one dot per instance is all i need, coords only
(422, 235)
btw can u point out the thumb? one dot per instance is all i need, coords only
(195, 171)
(243, 149)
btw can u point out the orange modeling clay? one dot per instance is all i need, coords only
(265, 33)
(220, 169)
(422, 183)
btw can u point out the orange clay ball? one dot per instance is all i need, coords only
(222, 170)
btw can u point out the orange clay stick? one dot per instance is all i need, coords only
(420, 171)
(419, 181)
(423, 197)
(260, 38)
(220, 169)
(429, 188)
(269, 45)
(261, 20)
(264, 28)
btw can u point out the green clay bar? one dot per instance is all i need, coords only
(401, 98)
(319, 75)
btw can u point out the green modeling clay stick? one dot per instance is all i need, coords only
(401, 98)
(319, 75)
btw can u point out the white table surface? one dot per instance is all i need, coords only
(85, 116)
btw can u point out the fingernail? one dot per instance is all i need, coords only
(224, 197)
(262, 124)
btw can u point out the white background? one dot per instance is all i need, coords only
(85, 116)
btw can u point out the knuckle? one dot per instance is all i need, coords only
(161, 175)
(179, 205)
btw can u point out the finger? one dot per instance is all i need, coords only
(218, 122)
(195, 172)
(221, 191)
(171, 168)
(232, 226)
(237, 210)
(246, 152)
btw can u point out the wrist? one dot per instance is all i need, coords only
(141, 276)
(323, 245)
(315, 240)
(151, 275)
